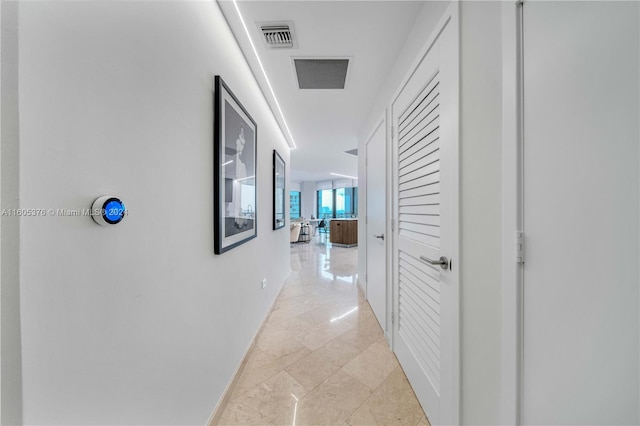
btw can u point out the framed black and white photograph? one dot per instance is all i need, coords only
(278, 190)
(235, 159)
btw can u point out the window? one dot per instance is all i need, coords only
(345, 201)
(325, 204)
(294, 204)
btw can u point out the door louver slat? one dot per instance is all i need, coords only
(419, 220)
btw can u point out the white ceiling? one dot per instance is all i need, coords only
(325, 123)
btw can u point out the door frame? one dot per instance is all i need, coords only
(512, 212)
(451, 17)
(381, 122)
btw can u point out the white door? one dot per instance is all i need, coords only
(426, 306)
(376, 222)
(581, 214)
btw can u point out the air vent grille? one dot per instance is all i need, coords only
(321, 73)
(277, 35)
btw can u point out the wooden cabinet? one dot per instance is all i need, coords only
(344, 232)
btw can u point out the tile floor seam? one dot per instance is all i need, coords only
(269, 420)
(363, 402)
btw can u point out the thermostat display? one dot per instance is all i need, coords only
(108, 210)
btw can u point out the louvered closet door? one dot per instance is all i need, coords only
(425, 172)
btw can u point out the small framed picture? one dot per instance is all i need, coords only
(278, 190)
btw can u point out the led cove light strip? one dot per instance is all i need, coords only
(350, 177)
(255, 51)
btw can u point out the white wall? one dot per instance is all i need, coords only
(480, 209)
(480, 150)
(138, 323)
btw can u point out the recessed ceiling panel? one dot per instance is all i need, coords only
(321, 73)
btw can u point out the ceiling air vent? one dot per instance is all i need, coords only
(277, 35)
(314, 73)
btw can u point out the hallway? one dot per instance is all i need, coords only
(321, 357)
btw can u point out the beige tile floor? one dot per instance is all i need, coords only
(321, 357)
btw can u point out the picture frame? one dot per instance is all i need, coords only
(279, 182)
(235, 165)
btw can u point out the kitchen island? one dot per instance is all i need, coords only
(344, 232)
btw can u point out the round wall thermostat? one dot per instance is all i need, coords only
(108, 210)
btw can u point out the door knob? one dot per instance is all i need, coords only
(381, 236)
(443, 261)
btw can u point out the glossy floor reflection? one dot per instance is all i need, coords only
(321, 358)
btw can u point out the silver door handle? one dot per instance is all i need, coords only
(443, 261)
(381, 236)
